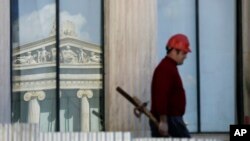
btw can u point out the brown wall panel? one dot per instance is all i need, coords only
(246, 55)
(130, 52)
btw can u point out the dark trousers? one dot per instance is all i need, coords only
(176, 128)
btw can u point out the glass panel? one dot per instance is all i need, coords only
(33, 56)
(217, 64)
(178, 16)
(81, 102)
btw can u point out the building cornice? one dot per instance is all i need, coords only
(51, 84)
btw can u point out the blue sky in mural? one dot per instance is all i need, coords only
(37, 17)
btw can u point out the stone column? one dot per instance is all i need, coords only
(34, 108)
(85, 114)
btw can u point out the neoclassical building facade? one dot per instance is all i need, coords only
(81, 87)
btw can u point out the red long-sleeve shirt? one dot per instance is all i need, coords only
(167, 92)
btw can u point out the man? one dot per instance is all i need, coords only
(167, 92)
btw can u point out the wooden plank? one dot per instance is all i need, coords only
(140, 108)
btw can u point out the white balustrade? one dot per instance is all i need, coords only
(30, 132)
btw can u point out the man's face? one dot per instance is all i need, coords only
(180, 57)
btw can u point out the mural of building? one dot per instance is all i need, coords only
(34, 78)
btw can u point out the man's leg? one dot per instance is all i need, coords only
(154, 130)
(177, 127)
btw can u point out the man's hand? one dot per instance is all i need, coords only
(163, 126)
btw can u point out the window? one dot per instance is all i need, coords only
(208, 73)
(57, 65)
(179, 17)
(217, 64)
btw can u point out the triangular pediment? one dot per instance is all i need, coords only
(73, 52)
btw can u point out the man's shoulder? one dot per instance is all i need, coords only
(165, 67)
(166, 64)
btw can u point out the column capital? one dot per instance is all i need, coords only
(40, 95)
(84, 93)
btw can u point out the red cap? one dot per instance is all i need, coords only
(180, 42)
